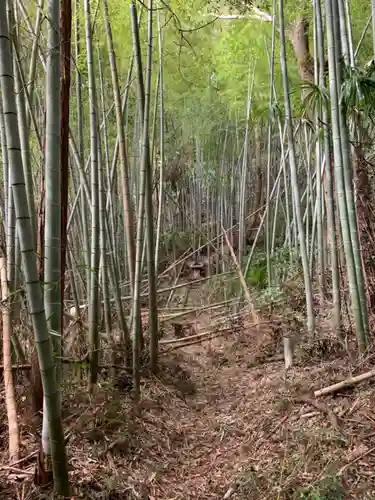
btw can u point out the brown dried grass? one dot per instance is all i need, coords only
(214, 425)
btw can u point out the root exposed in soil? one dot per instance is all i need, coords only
(215, 425)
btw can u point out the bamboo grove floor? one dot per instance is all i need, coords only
(215, 425)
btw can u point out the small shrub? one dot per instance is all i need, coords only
(329, 488)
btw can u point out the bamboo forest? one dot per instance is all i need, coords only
(187, 249)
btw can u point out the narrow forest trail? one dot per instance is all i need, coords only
(214, 426)
(225, 419)
(247, 436)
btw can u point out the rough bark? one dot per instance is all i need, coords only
(299, 36)
(366, 227)
(65, 34)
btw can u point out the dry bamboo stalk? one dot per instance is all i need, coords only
(344, 383)
(252, 312)
(10, 396)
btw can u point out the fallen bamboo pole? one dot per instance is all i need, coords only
(344, 384)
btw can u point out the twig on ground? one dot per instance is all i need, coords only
(348, 411)
(196, 310)
(204, 339)
(24, 459)
(344, 467)
(272, 431)
(310, 414)
(230, 492)
(16, 470)
(203, 335)
(184, 339)
(322, 408)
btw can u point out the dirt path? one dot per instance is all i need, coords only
(215, 427)
(246, 438)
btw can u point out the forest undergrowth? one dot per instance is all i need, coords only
(222, 421)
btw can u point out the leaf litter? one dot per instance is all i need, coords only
(215, 425)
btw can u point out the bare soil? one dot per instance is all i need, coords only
(215, 425)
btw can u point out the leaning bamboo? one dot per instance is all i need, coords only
(242, 279)
(10, 397)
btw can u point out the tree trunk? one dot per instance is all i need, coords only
(95, 256)
(259, 191)
(29, 267)
(294, 178)
(36, 388)
(299, 36)
(65, 34)
(10, 397)
(366, 228)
